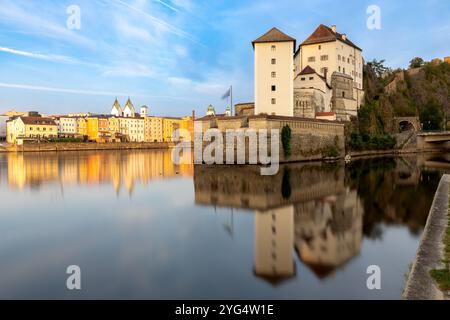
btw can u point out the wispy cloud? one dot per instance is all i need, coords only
(82, 91)
(159, 22)
(34, 55)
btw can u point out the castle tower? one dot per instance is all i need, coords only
(274, 76)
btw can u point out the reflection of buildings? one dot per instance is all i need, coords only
(305, 206)
(274, 236)
(119, 168)
(328, 232)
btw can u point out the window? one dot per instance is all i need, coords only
(274, 74)
(343, 94)
(312, 59)
(324, 71)
(273, 47)
(311, 78)
(274, 88)
(274, 61)
(348, 60)
(343, 70)
(274, 101)
(302, 79)
(324, 57)
(339, 57)
(320, 47)
(339, 68)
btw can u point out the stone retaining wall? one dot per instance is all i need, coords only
(311, 138)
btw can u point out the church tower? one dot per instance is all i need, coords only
(274, 73)
(128, 110)
(116, 109)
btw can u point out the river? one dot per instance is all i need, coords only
(140, 227)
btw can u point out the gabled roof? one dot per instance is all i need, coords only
(274, 35)
(307, 70)
(325, 34)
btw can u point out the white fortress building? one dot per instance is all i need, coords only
(322, 78)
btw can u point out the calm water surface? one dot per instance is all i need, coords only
(140, 227)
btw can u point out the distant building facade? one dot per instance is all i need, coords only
(24, 128)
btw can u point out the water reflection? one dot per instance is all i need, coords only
(208, 232)
(319, 211)
(121, 169)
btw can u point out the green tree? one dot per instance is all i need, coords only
(377, 67)
(416, 62)
(432, 116)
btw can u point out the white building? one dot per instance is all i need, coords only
(67, 126)
(339, 61)
(324, 75)
(274, 77)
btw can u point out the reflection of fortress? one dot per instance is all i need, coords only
(120, 168)
(305, 206)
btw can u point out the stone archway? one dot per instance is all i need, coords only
(404, 124)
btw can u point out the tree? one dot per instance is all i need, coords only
(416, 62)
(432, 116)
(377, 67)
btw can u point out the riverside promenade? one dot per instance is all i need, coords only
(420, 284)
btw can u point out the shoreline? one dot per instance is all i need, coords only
(84, 146)
(420, 284)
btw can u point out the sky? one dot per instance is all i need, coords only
(176, 56)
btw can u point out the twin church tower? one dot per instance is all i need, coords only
(322, 78)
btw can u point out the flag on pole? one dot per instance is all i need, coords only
(227, 94)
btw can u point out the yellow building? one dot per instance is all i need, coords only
(170, 125)
(114, 128)
(82, 126)
(30, 128)
(154, 129)
(92, 128)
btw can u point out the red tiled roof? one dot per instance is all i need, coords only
(325, 34)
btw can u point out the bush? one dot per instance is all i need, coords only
(286, 134)
(360, 142)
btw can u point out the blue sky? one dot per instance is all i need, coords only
(180, 55)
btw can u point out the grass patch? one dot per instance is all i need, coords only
(442, 276)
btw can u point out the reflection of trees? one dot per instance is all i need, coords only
(386, 199)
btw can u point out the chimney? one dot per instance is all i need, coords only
(344, 36)
(193, 115)
(333, 27)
